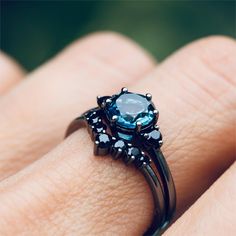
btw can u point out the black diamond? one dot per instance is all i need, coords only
(93, 118)
(132, 154)
(104, 140)
(133, 151)
(153, 138)
(99, 128)
(118, 149)
(120, 144)
(102, 144)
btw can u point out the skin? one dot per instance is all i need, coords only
(10, 73)
(51, 186)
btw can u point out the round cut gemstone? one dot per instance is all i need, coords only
(133, 151)
(99, 127)
(118, 149)
(102, 145)
(93, 118)
(132, 154)
(120, 144)
(131, 108)
(153, 137)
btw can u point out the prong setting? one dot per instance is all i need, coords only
(114, 118)
(108, 101)
(132, 158)
(148, 96)
(138, 126)
(160, 143)
(124, 90)
(119, 150)
(156, 113)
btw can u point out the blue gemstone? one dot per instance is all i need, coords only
(131, 108)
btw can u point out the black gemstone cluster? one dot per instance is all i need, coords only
(124, 125)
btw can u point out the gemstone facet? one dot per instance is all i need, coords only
(131, 108)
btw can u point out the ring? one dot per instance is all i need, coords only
(124, 126)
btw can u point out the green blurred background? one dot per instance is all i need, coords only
(33, 31)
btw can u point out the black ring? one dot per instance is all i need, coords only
(134, 137)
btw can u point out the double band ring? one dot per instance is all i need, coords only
(124, 125)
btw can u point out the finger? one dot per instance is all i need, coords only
(213, 213)
(34, 116)
(10, 73)
(195, 94)
(91, 195)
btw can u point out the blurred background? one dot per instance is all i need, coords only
(33, 31)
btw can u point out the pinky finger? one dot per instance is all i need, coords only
(10, 73)
(214, 213)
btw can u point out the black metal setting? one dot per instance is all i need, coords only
(141, 148)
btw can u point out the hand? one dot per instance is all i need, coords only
(54, 187)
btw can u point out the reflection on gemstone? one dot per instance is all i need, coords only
(130, 109)
(125, 136)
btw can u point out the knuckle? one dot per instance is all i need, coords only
(113, 49)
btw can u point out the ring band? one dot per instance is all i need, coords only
(124, 125)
